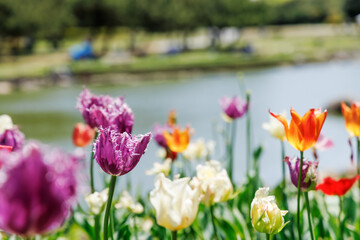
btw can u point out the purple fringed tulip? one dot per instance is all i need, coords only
(233, 107)
(39, 188)
(118, 153)
(12, 137)
(105, 111)
(308, 176)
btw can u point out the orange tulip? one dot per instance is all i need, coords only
(82, 135)
(303, 132)
(178, 140)
(352, 118)
(172, 118)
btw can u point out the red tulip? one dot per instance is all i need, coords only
(82, 135)
(337, 187)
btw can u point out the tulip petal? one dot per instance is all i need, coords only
(282, 119)
(334, 187)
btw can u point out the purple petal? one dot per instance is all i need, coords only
(234, 108)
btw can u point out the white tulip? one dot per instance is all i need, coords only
(176, 202)
(275, 128)
(165, 168)
(266, 217)
(5, 123)
(126, 201)
(198, 149)
(214, 182)
(97, 201)
(161, 153)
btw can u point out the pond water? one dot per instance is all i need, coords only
(49, 114)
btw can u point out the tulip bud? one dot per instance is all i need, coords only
(214, 182)
(233, 107)
(82, 135)
(126, 201)
(266, 217)
(96, 201)
(308, 176)
(164, 168)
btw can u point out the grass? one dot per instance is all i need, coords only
(277, 46)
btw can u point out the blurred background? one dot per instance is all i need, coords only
(183, 55)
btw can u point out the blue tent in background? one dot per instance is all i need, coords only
(83, 50)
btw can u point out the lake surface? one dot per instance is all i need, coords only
(50, 114)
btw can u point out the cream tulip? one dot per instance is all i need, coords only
(176, 202)
(164, 168)
(96, 201)
(275, 128)
(214, 182)
(5, 123)
(266, 217)
(126, 201)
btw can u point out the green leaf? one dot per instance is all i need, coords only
(241, 224)
(227, 229)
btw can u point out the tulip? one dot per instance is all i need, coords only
(5, 123)
(233, 107)
(118, 153)
(178, 140)
(176, 203)
(198, 149)
(82, 135)
(352, 118)
(337, 187)
(97, 200)
(127, 202)
(275, 128)
(323, 143)
(309, 173)
(214, 182)
(164, 168)
(158, 132)
(105, 111)
(39, 190)
(266, 217)
(12, 137)
(303, 132)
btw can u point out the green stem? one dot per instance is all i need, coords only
(97, 226)
(268, 236)
(358, 157)
(213, 221)
(231, 151)
(248, 146)
(309, 216)
(284, 188)
(340, 223)
(92, 173)
(135, 228)
(299, 194)
(111, 226)
(92, 185)
(108, 206)
(173, 235)
(283, 164)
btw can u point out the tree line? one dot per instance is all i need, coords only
(46, 19)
